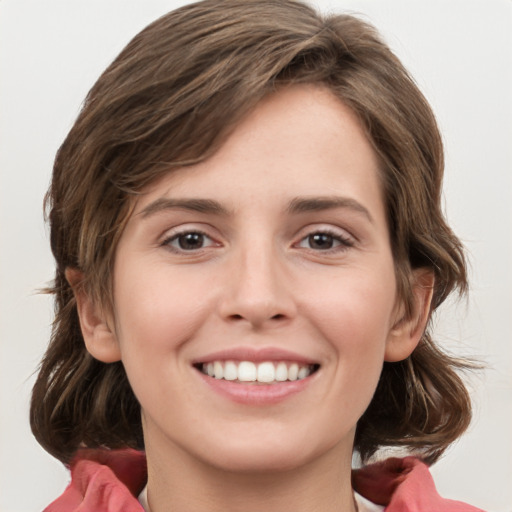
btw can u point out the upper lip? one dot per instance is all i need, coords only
(256, 355)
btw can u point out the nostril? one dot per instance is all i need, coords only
(256, 314)
(237, 317)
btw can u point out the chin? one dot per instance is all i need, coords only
(271, 451)
(258, 459)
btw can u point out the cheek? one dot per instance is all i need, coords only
(354, 315)
(156, 312)
(354, 310)
(155, 318)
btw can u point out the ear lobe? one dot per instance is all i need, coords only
(100, 339)
(407, 332)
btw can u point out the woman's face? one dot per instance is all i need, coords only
(255, 297)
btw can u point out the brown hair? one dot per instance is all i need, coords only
(169, 100)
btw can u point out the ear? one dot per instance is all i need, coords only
(99, 336)
(407, 332)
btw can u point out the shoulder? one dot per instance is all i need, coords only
(103, 480)
(403, 485)
(111, 480)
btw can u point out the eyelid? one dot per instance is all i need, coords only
(177, 231)
(346, 240)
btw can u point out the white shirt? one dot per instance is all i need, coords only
(363, 505)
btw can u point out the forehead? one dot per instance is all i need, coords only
(300, 137)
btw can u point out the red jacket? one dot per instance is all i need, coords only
(110, 481)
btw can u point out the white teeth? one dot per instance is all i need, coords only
(281, 372)
(303, 372)
(293, 371)
(218, 370)
(247, 371)
(266, 372)
(230, 371)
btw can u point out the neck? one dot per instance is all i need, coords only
(179, 482)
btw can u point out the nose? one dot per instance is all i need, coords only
(258, 290)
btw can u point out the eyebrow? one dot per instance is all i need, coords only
(313, 204)
(296, 205)
(197, 205)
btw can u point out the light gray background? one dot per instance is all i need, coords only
(461, 55)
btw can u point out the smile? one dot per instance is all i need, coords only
(265, 372)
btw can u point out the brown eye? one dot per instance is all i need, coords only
(326, 241)
(189, 241)
(321, 241)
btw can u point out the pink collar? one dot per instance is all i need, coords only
(111, 480)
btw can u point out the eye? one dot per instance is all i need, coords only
(189, 241)
(325, 241)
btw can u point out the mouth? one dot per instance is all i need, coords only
(262, 373)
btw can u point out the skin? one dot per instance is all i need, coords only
(258, 280)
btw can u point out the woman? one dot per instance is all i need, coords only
(249, 242)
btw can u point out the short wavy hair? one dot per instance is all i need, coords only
(169, 100)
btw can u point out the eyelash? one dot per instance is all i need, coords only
(343, 241)
(176, 237)
(340, 241)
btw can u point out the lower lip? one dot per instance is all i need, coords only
(256, 394)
